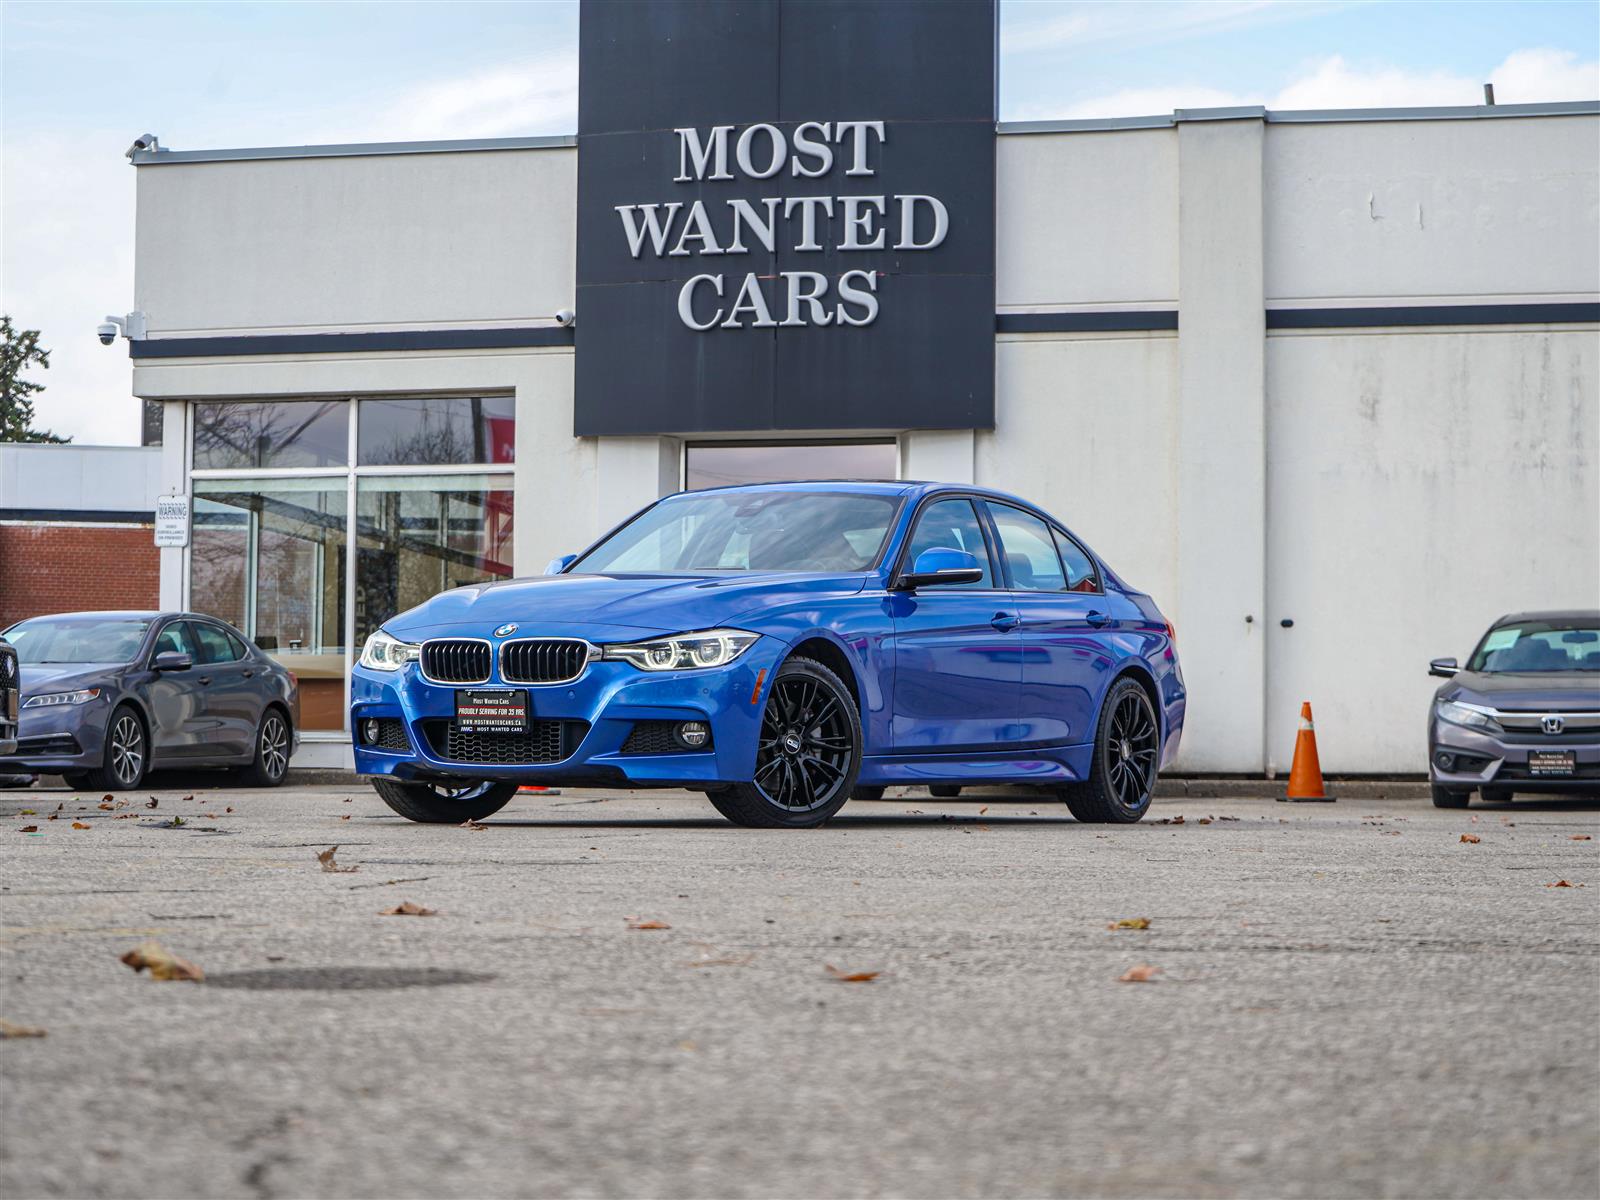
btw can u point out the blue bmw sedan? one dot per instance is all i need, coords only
(782, 647)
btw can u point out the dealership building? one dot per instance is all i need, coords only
(1326, 384)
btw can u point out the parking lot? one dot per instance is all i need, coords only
(620, 994)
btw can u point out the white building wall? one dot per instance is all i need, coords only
(1364, 483)
(75, 478)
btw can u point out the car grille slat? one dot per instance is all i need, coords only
(456, 660)
(543, 660)
(541, 742)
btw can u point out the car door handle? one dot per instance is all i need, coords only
(203, 680)
(1096, 618)
(249, 674)
(1005, 622)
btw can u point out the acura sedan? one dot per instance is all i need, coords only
(106, 696)
(782, 647)
(1523, 715)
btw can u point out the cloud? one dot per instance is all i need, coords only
(1525, 77)
(1143, 24)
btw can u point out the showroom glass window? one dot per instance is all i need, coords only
(420, 486)
(721, 464)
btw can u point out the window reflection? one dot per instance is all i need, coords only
(720, 464)
(430, 430)
(272, 433)
(268, 557)
(421, 535)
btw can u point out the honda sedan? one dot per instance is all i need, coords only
(782, 647)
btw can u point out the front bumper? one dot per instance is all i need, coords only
(58, 739)
(1465, 759)
(603, 705)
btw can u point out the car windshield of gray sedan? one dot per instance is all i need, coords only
(77, 639)
(1539, 646)
(749, 531)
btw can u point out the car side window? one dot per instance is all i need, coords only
(236, 644)
(214, 647)
(1081, 573)
(1029, 549)
(950, 525)
(176, 637)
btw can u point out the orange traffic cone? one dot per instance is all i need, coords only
(1305, 775)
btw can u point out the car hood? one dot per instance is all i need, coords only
(1526, 690)
(65, 677)
(610, 607)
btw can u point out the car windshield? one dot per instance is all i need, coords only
(1559, 645)
(750, 531)
(77, 639)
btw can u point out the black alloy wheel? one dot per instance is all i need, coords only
(808, 752)
(439, 803)
(273, 741)
(126, 754)
(1127, 753)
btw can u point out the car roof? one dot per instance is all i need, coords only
(870, 487)
(131, 614)
(1553, 614)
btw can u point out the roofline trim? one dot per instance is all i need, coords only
(1310, 116)
(162, 157)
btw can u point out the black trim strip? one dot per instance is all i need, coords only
(340, 343)
(1086, 322)
(81, 516)
(1434, 314)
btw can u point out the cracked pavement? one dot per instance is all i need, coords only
(1351, 1001)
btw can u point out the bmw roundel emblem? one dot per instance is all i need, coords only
(506, 630)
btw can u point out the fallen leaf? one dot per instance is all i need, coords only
(1471, 837)
(51, 817)
(851, 976)
(79, 825)
(1559, 883)
(228, 809)
(330, 865)
(162, 964)
(1177, 820)
(152, 802)
(345, 817)
(175, 822)
(1203, 821)
(983, 810)
(189, 797)
(1582, 837)
(27, 812)
(471, 824)
(209, 816)
(407, 909)
(1143, 973)
(648, 925)
(1130, 923)
(29, 829)
(108, 796)
(8, 1030)
(108, 807)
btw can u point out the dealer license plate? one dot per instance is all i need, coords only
(1552, 762)
(492, 710)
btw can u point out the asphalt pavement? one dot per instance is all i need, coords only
(619, 994)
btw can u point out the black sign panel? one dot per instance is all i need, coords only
(785, 215)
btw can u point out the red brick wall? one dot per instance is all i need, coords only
(63, 568)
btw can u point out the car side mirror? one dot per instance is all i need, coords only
(557, 565)
(940, 565)
(1444, 668)
(171, 660)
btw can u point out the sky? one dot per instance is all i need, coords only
(78, 82)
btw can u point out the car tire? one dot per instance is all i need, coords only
(436, 804)
(273, 743)
(1444, 797)
(944, 791)
(867, 792)
(808, 753)
(125, 757)
(1127, 753)
(78, 781)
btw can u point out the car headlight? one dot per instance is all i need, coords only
(50, 699)
(385, 653)
(683, 651)
(1470, 716)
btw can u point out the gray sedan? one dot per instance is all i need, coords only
(107, 696)
(1523, 715)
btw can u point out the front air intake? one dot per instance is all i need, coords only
(456, 660)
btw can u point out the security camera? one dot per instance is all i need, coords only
(145, 141)
(566, 318)
(107, 333)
